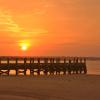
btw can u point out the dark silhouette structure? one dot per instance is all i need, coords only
(46, 65)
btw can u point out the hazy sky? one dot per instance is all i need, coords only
(50, 27)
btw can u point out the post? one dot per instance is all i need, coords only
(85, 69)
(69, 66)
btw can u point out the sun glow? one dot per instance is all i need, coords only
(24, 45)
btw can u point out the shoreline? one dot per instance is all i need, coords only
(69, 87)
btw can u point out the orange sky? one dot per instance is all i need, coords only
(50, 27)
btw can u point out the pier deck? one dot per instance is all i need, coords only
(46, 65)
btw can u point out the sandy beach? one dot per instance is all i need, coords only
(74, 87)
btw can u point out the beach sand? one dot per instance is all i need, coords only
(70, 87)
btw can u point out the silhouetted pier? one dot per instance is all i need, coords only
(44, 65)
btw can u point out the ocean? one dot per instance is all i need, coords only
(93, 67)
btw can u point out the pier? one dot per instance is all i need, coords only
(44, 65)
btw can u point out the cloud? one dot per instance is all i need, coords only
(7, 22)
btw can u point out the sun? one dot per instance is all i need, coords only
(24, 47)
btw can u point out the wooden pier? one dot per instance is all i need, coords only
(44, 65)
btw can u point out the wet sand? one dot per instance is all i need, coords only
(74, 87)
